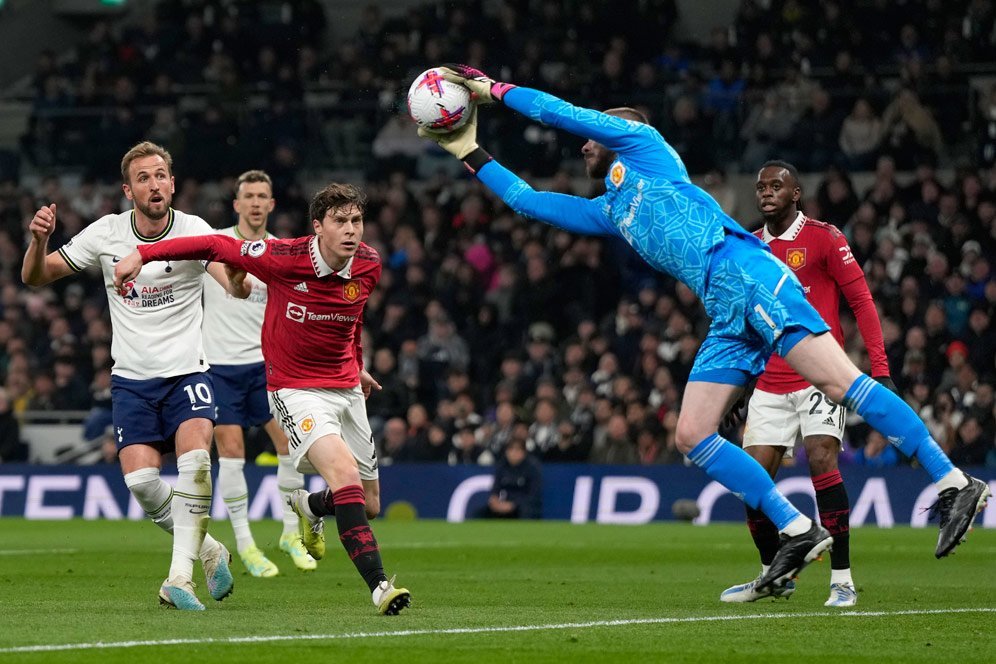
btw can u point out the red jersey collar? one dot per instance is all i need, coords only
(791, 233)
(323, 269)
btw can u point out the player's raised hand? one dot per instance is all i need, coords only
(483, 88)
(459, 143)
(368, 384)
(43, 223)
(127, 269)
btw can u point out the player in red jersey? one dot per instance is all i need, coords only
(317, 288)
(783, 403)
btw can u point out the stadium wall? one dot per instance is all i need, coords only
(579, 493)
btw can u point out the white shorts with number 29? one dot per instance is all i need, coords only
(778, 419)
(306, 415)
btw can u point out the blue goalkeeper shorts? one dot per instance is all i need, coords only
(757, 307)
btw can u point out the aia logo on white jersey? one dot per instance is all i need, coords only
(296, 312)
(301, 287)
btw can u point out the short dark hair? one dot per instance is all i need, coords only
(335, 196)
(629, 113)
(517, 442)
(253, 176)
(778, 163)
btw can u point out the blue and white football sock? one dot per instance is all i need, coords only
(895, 420)
(742, 475)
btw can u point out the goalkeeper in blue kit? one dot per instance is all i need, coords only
(756, 304)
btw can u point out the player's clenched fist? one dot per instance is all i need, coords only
(127, 269)
(43, 223)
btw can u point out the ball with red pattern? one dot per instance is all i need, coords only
(436, 104)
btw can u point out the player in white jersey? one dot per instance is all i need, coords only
(232, 344)
(162, 395)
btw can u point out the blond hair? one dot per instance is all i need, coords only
(145, 149)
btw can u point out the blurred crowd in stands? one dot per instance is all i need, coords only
(488, 328)
(276, 84)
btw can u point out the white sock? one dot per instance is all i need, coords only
(153, 494)
(288, 480)
(233, 489)
(955, 479)
(797, 526)
(764, 569)
(841, 576)
(191, 511)
(156, 498)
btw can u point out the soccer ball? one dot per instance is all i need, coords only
(436, 104)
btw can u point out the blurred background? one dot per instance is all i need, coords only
(489, 328)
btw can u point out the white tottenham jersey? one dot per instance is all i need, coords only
(232, 327)
(156, 325)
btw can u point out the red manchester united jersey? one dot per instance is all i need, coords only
(314, 314)
(820, 257)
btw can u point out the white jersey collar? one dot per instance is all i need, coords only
(323, 269)
(791, 233)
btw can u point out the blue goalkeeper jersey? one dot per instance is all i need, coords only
(649, 201)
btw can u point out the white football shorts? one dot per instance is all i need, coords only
(306, 415)
(778, 419)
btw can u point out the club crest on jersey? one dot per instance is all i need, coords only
(307, 424)
(296, 312)
(253, 248)
(129, 293)
(351, 291)
(617, 173)
(796, 258)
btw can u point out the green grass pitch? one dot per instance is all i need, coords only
(494, 592)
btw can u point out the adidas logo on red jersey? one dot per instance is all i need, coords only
(302, 287)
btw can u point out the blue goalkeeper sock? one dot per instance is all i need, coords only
(737, 471)
(890, 415)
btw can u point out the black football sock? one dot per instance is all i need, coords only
(321, 503)
(356, 536)
(835, 513)
(764, 533)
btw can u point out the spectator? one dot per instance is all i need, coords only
(517, 492)
(689, 134)
(970, 446)
(467, 450)
(768, 125)
(12, 449)
(877, 453)
(911, 133)
(394, 441)
(393, 397)
(815, 139)
(618, 446)
(544, 432)
(860, 136)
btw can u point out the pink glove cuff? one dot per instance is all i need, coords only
(499, 89)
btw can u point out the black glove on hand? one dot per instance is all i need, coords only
(887, 382)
